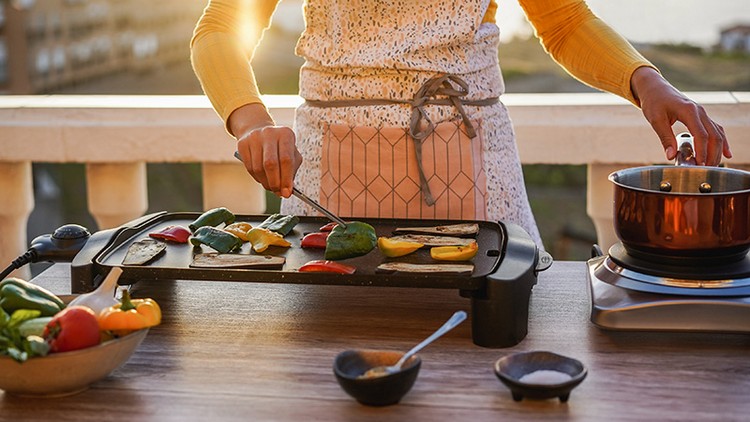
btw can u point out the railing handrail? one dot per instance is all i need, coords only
(575, 128)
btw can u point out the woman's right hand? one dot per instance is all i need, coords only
(269, 152)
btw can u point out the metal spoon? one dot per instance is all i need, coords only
(380, 371)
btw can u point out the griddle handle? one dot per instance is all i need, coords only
(543, 262)
(596, 251)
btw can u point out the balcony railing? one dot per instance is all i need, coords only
(115, 136)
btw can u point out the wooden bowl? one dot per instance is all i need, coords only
(511, 370)
(67, 373)
(377, 391)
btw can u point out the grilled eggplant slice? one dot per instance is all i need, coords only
(461, 230)
(404, 267)
(219, 260)
(429, 240)
(144, 251)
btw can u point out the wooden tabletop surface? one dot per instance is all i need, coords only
(256, 352)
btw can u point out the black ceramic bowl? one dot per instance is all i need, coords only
(510, 369)
(378, 391)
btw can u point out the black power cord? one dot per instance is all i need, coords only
(28, 257)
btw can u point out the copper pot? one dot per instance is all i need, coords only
(685, 211)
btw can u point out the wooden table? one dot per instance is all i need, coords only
(255, 351)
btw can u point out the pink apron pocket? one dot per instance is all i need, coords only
(373, 172)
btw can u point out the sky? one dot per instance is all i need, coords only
(696, 22)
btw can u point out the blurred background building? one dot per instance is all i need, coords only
(48, 44)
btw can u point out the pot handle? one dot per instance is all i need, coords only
(685, 152)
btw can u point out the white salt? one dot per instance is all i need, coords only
(545, 377)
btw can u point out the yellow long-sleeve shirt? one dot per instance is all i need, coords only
(580, 42)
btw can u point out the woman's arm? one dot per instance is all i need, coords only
(223, 42)
(594, 53)
(221, 49)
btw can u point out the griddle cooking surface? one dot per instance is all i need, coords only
(175, 263)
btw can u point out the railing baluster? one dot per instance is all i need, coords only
(17, 188)
(117, 193)
(229, 185)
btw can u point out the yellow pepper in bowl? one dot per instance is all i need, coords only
(130, 315)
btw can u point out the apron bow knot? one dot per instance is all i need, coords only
(429, 93)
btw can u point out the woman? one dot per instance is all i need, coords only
(402, 116)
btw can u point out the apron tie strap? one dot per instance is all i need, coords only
(428, 93)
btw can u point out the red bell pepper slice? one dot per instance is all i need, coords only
(328, 227)
(323, 266)
(315, 240)
(177, 234)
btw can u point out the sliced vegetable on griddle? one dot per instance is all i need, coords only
(239, 229)
(325, 266)
(217, 239)
(176, 234)
(395, 248)
(143, 251)
(430, 240)
(328, 227)
(356, 239)
(454, 253)
(462, 229)
(315, 240)
(403, 267)
(219, 260)
(279, 223)
(212, 218)
(263, 238)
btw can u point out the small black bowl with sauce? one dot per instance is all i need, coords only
(350, 366)
(540, 375)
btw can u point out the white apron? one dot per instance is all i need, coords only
(369, 59)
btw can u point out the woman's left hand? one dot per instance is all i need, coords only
(663, 105)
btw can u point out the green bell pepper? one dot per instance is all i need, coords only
(356, 239)
(212, 218)
(279, 223)
(217, 239)
(18, 294)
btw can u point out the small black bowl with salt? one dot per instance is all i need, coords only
(540, 375)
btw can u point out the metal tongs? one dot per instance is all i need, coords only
(306, 199)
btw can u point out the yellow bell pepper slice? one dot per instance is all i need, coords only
(395, 248)
(263, 238)
(454, 253)
(239, 229)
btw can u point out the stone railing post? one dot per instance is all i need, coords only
(117, 193)
(229, 185)
(17, 187)
(599, 199)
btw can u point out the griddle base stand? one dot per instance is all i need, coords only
(500, 311)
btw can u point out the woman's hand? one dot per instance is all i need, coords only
(269, 152)
(663, 105)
